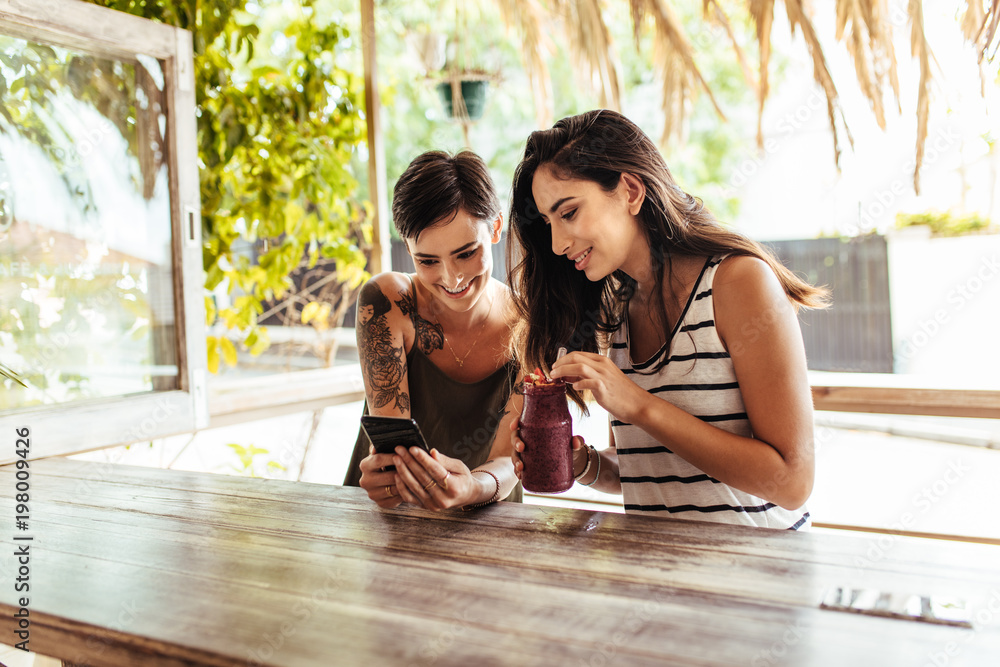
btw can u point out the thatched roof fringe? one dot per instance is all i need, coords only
(527, 18)
(980, 25)
(713, 12)
(762, 12)
(592, 47)
(876, 15)
(797, 17)
(989, 33)
(849, 21)
(920, 50)
(862, 25)
(674, 60)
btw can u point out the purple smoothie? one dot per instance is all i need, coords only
(547, 433)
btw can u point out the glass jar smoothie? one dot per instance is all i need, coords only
(547, 433)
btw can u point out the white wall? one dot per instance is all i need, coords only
(946, 307)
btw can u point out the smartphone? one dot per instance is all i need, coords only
(387, 433)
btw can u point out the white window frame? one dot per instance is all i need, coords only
(86, 425)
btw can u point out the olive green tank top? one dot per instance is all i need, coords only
(459, 419)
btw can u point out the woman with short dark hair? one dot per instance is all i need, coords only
(435, 344)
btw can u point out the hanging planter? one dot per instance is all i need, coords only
(462, 85)
(430, 49)
(470, 93)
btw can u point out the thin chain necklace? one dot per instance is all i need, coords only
(461, 362)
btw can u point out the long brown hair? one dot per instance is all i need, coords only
(559, 306)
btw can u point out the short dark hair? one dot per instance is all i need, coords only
(436, 186)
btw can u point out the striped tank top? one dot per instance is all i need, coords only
(698, 378)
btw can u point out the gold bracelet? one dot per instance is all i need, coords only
(493, 499)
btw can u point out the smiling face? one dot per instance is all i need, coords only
(595, 229)
(453, 260)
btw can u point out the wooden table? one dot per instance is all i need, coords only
(138, 566)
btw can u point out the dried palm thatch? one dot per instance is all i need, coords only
(762, 12)
(869, 43)
(713, 12)
(980, 26)
(861, 25)
(592, 47)
(921, 51)
(674, 60)
(527, 18)
(798, 18)
(972, 26)
(972, 21)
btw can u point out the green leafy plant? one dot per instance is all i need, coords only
(248, 455)
(278, 121)
(944, 223)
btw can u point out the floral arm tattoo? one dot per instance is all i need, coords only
(430, 336)
(384, 364)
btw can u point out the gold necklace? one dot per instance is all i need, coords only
(461, 362)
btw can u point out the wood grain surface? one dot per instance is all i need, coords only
(139, 566)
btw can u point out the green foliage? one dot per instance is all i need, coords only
(279, 119)
(944, 223)
(38, 73)
(53, 326)
(248, 456)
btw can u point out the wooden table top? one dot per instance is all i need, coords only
(139, 566)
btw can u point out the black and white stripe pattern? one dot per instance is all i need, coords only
(698, 378)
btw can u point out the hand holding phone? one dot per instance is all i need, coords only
(387, 433)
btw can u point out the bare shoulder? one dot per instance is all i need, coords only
(745, 290)
(391, 286)
(387, 295)
(743, 277)
(389, 283)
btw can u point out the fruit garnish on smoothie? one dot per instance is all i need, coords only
(538, 378)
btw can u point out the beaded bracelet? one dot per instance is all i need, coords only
(598, 475)
(493, 499)
(586, 468)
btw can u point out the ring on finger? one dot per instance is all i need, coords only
(388, 489)
(444, 480)
(430, 483)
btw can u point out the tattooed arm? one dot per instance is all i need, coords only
(381, 336)
(429, 336)
(381, 347)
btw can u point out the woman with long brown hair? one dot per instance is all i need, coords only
(435, 344)
(703, 370)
